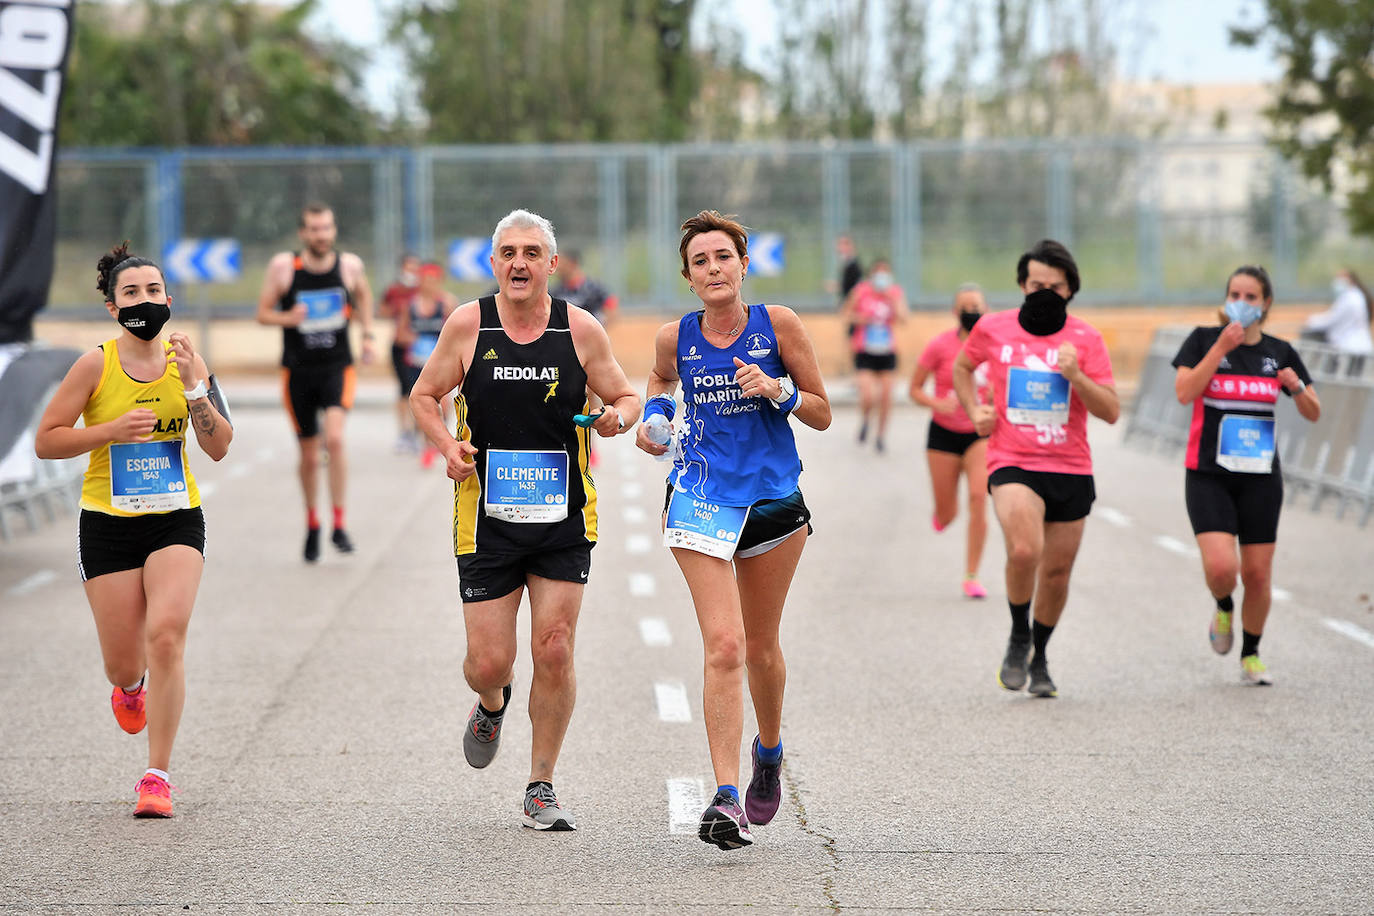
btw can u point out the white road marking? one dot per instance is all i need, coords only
(265, 454)
(1281, 594)
(638, 543)
(1174, 545)
(686, 801)
(32, 583)
(206, 489)
(642, 585)
(1346, 628)
(633, 514)
(631, 490)
(654, 631)
(240, 470)
(671, 697)
(1113, 516)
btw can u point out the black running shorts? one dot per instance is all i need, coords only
(1246, 505)
(310, 389)
(114, 543)
(484, 576)
(1067, 497)
(939, 439)
(875, 362)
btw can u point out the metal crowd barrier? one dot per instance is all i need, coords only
(32, 489)
(1330, 459)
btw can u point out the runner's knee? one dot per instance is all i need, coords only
(725, 650)
(165, 645)
(487, 672)
(552, 650)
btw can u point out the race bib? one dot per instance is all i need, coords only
(526, 486)
(703, 526)
(148, 476)
(1246, 444)
(421, 349)
(877, 338)
(325, 314)
(1036, 397)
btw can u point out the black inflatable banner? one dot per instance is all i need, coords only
(35, 36)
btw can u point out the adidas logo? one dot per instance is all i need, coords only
(490, 354)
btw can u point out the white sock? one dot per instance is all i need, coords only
(160, 774)
(134, 688)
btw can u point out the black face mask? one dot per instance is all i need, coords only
(969, 319)
(1043, 313)
(145, 320)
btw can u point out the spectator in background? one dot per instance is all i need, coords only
(851, 271)
(581, 290)
(1345, 326)
(394, 302)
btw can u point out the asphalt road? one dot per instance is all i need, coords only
(319, 762)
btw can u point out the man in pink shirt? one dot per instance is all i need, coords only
(1048, 371)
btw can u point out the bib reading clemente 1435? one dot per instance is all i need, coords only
(1036, 397)
(526, 485)
(148, 476)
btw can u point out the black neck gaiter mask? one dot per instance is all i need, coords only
(1043, 313)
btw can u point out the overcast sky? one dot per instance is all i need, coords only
(1182, 41)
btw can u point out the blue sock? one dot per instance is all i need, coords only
(769, 755)
(731, 789)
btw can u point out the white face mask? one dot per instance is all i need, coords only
(881, 280)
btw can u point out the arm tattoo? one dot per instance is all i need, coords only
(204, 419)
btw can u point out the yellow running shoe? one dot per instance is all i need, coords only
(1253, 672)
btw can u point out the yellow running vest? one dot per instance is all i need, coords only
(139, 478)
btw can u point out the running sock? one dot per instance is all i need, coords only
(731, 789)
(1249, 643)
(160, 774)
(312, 520)
(1226, 604)
(505, 701)
(1020, 621)
(770, 755)
(135, 688)
(1040, 637)
(536, 784)
(338, 518)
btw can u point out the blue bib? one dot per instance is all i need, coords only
(527, 485)
(1246, 444)
(148, 476)
(705, 527)
(1036, 397)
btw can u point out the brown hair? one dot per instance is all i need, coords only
(713, 221)
(1368, 302)
(1048, 251)
(114, 262)
(314, 208)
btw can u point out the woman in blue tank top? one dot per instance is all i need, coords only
(734, 517)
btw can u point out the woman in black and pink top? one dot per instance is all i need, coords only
(1232, 375)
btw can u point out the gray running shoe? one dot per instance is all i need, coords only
(1040, 683)
(725, 824)
(1012, 675)
(1220, 633)
(764, 795)
(483, 735)
(542, 811)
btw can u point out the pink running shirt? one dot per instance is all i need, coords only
(938, 357)
(1042, 423)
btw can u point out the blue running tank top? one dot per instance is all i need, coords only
(735, 450)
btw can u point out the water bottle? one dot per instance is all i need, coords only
(660, 432)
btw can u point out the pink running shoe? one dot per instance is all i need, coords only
(128, 709)
(154, 797)
(973, 589)
(935, 523)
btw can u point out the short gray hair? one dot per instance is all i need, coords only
(968, 288)
(524, 219)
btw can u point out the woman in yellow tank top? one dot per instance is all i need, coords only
(141, 540)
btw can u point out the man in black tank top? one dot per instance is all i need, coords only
(312, 296)
(524, 503)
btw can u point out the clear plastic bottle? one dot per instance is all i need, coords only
(660, 432)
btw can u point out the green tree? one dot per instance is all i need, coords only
(210, 72)
(1323, 116)
(550, 70)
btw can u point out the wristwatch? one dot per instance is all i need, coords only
(196, 393)
(785, 395)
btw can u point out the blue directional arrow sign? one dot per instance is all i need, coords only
(767, 254)
(470, 258)
(202, 261)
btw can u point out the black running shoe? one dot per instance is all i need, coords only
(725, 824)
(312, 545)
(1040, 683)
(1012, 675)
(342, 541)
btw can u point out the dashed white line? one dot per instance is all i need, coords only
(671, 697)
(1348, 629)
(633, 514)
(638, 543)
(1174, 545)
(240, 470)
(265, 454)
(642, 585)
(1113, 516)
(686, 799)
(1281, 594)
(654, 631)
(31, 583)
(631, 490)
(206, 489)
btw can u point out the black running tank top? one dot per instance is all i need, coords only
(322, 339)
(516, 405)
